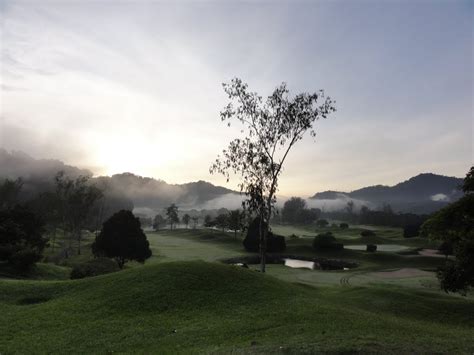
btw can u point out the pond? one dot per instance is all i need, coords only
(380, 247)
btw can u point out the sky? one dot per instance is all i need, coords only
(136, 86)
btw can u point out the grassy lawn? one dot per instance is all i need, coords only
(196, 307)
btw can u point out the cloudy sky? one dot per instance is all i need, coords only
(135, 86)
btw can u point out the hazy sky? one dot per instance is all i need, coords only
(135, 86)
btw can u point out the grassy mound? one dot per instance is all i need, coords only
(207, 307)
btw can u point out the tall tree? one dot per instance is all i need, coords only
(271, 127)
(235, 221)
(172, 214)
(186, 219)
(222, 221)
(77, 197)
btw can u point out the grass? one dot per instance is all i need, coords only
(196, 307)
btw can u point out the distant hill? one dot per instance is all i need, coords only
(423, 193)
(38, 176)
(153, 193)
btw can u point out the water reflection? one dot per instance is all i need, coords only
(298, 264)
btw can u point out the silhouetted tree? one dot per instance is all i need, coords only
(235, 219)
(343, 225)
(222, 221)
(123, 239)
(276, 243)
(186, 219)
(158, 221)
(21, 237)
(454, 225)
(272, 128)
(172, 214)
(208, 222)
(9, 193)
(195, 220)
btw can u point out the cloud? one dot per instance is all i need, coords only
(440, 197)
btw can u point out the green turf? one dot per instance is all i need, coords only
(198, 307)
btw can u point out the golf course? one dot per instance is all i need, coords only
(186, 298)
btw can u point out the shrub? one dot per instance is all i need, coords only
(326, 241)
(275, 243)
(343, 226)
(322, 223)
(371, 248)
(94, 267)
(367, 233)
(293, 237)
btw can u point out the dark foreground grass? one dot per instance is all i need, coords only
(190, 307)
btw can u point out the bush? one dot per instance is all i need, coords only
(412, 230)
(275, 243)
(326, 241)
(343, 226)
(322, 223)
(367, 233)
(293, 237)
(94, 267)
(371, 248)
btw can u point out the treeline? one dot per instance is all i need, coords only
(385, 217)
(68, 208)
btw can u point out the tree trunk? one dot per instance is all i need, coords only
(263, 244)
(79, 236)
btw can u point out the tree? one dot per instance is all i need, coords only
(454, 226)
(271, 129)
(195, 220)
(186, 219)
(222, 221)
(234, 219)
(158, 221)
(77, 197)
(123, 239)
(292, 209)
(322, 223)
(9, 192)
(350, 207)
(21, 237)
(172, 214)
(208, 222)
(276, 243)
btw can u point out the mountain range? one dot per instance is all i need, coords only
(423, 193)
